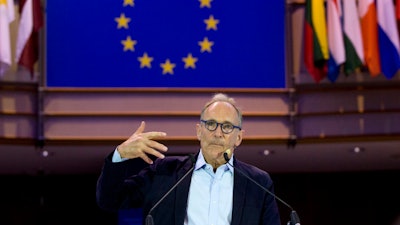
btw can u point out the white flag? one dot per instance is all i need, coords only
(6, 17)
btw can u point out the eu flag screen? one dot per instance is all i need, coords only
(165, 43)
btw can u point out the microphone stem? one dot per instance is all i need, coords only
(294, 218)
(259, 185)
(149, 218)
(171, 189)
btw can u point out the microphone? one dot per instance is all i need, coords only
(294, 218)
(149, 217)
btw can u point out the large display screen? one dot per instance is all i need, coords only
(159, 43)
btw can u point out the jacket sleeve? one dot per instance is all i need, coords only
(116, 187)
(271, 214)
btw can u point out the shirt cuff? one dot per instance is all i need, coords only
(116, 158)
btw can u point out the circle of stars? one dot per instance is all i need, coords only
(189, 61)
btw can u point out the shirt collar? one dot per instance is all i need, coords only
(201, 162)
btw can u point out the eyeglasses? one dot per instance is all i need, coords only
(226, 128)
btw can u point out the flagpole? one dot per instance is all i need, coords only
(290, 75)
(40, 140)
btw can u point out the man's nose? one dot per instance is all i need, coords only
(218, 132)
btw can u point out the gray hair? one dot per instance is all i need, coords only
(220, 97)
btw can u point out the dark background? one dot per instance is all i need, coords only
(345, 198)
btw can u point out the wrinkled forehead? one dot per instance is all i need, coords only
(222, 111)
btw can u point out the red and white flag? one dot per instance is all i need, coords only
(6, 17)
(31, 20)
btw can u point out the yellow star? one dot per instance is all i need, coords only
(211, 23)
(3, 2)
(129, 2)
(145, 61)
(167, 67)
(205, 3)
(122, 21)
(190, 61)
(129, 44)
(205, 45)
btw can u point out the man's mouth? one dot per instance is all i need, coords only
(217, 143)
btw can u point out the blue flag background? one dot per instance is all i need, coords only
(84, 44)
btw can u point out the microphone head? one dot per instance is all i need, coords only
(294, 218)
(149, 220)
(227, 154)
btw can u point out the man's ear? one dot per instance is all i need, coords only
(198, 131)
(239, 138)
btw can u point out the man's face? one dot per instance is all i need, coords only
(214, 143)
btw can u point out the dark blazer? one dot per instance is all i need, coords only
(116, 189)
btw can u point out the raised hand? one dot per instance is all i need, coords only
(141, 144)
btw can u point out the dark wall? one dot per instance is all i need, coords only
(51, 200)
(367, 198)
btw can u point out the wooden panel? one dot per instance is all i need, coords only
(349, 125)
(176, 127)
(15, 126)
(18, 107)
(135, 102)
(82, 114)
(349, 101)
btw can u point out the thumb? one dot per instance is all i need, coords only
(140, 128)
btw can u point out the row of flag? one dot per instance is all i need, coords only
(349, 35)
(27, 43)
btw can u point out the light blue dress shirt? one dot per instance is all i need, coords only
(117, 157)
(210, 198)
(210, 195)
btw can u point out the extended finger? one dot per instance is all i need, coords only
(156, 145)
(154, 134)
(140, 129)
(146, 158)
(154, 152)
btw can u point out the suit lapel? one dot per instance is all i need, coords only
(182, 193)
(239, 195)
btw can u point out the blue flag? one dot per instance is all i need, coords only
(158, 43)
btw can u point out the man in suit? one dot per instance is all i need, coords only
(214, 192)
